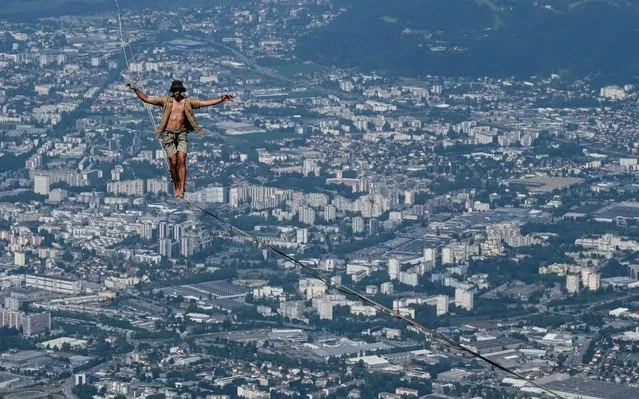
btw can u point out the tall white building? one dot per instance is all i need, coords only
(136, 67)
(157, 186)
(292, 309)
(448, 256)
(409, 278)
(41, 185)
(311, 287)
(594, 281)
(19, 259)
(164, 230)
(409, 197)
(330, 213)
(464, 299)
(366, 208)
(10, 318)
(307, 215)
(11, 303)
(188, 245)
(127, 187)
(310, 165)
(212, 194)
(442, 305)
(394, 268)
(31, 323)
(117, 172)
(430, 259)
(325, 309)
(585, 275)
(358, 225)
(147, 231)
(328, 265)
(178, 232)
(58, 195)
(572, 283)
(346, 85)
(217, 194)
(387, 288)
(302, 236)
(34, 162)
(165, 247)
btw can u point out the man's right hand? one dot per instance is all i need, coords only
(131, 86)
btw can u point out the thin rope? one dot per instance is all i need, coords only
(349, 291)
(335, 285)
(148, 107)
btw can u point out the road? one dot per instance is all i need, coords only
(67, 387)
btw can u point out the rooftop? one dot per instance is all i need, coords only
(589, 388)
(626, 210)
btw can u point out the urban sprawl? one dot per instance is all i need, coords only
(501, 213)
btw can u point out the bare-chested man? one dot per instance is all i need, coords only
(177, 121)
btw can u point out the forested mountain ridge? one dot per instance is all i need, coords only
(480, 37)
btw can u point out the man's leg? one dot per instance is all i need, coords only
(182, 147)
(181, 161)
(170, 147)
(175, 176)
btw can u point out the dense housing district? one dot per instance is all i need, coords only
(502, 213)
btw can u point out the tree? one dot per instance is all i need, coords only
(67, 256)
(159, 325)
(122, 346)
(103, 348)
(614, 269)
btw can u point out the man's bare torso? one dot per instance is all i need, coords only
(177, 117)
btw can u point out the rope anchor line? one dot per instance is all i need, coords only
(367, 300)
(443, 339)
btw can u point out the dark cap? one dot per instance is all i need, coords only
(177, 86)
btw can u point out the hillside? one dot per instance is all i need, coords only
(480, 37)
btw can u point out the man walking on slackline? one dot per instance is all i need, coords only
(178, 120)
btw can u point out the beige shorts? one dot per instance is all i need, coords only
(175, 142)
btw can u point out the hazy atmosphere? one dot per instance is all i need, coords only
(319, 199)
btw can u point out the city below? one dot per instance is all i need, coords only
(502, 213)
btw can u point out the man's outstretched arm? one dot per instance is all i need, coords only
(213, 101)
(144, 97)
